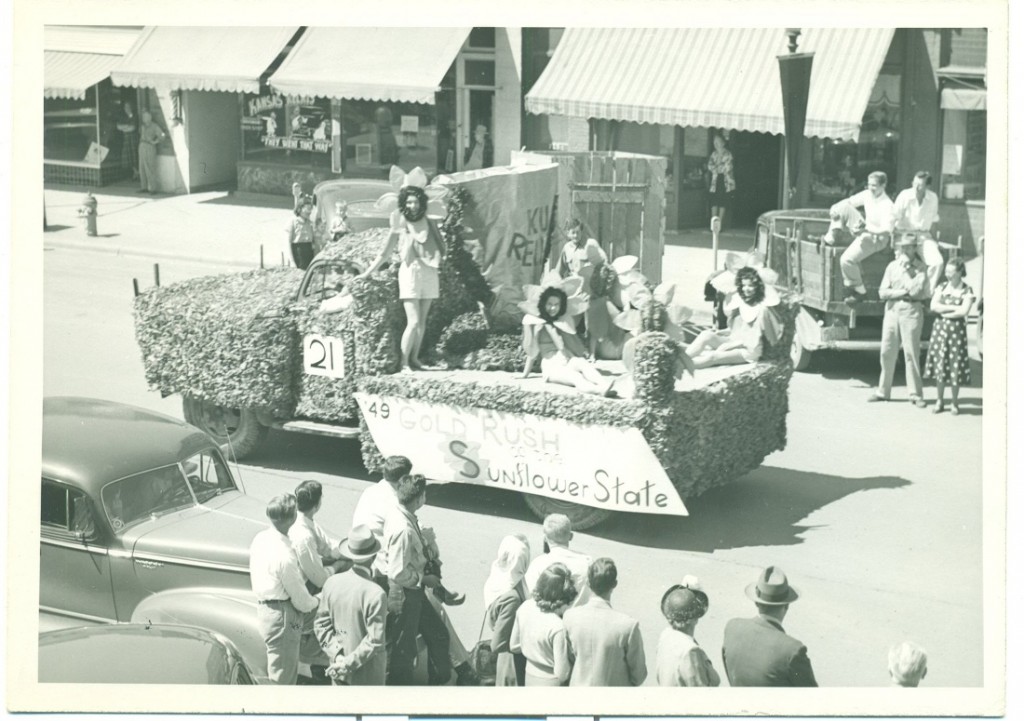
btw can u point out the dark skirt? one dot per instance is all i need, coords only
(718, 197)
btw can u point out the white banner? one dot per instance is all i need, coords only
(599, 466)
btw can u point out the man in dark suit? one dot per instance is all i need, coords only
(756, 651)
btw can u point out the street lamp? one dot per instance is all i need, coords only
(795, 77)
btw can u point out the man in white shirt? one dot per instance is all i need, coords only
(917, 211)
(558, 534)
(280, 591)
(375, 504)
(877, 235)
(319, 553)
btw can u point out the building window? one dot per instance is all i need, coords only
(963, 154)
(70, 127)
(841, 168)
(377, 135)
(289, 131)
(482, 39)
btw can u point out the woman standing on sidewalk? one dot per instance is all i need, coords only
(300, 234)
(947, 360)
(150, 135)
(723, 182)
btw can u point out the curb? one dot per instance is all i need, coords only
(136, 253)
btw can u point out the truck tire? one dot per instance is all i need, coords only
(581, 517)
(800, 356)
(236, 430)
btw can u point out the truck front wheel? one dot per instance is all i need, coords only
(581, 517)
(236, 430)
(800, 356)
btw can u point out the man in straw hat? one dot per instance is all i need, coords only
(756, 651)
(904, 289)
(352, 614)
(681, 660)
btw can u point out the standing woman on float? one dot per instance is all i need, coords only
(419, 253)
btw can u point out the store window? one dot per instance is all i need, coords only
(289, 131)
(377, 135)
(841, 168)
(963, 154)
(70, 128)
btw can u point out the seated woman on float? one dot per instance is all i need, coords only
(550, 333)
(752, 319)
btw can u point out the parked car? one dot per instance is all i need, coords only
(140, 653)
(134, 503)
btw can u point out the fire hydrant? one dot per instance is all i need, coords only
(88, 211)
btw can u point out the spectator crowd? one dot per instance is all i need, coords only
(363, 604)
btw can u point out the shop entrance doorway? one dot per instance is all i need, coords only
(757, 161)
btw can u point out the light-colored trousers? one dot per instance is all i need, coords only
(901, 327)
(280, 625)
(863, 246)
(932, 257)
(147, 167)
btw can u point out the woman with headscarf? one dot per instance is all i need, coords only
(681, 660)
(504, 593)
(538, 632)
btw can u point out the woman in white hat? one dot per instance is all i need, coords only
(681, 660)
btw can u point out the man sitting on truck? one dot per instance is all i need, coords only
(751, 320)
(917, 211)
(877, 235)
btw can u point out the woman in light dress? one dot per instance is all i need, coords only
(538, 632)
(420, 251)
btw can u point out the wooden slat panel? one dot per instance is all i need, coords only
(607, 196)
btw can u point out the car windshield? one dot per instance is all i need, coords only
(145, 495)
(208, 475)
(162, 490)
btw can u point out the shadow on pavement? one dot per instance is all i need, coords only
(764, 508)
(304, 453)
(53, 228)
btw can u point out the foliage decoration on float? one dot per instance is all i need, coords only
(223, 338)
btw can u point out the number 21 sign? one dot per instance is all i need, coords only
(323, 355)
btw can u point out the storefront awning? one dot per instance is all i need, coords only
(77, 57)
(69, 75)
(227, 59)
(704, 77)
(386, 64)
(964, 99)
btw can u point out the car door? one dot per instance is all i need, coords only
(74, 558)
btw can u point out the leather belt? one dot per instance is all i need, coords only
(272, 601)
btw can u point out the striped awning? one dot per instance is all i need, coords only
(76, 57)
(69, 75)
(399, 64)
(964, 99)
(227, 59)
(705, 77)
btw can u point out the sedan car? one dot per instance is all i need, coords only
(140, 653)
(134, 502)
(136, 505)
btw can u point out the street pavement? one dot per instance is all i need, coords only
(874, 510)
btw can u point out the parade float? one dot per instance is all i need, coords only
(275, 348)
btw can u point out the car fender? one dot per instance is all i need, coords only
(228, 612)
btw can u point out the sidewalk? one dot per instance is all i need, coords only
(229, 228)
(220, 227)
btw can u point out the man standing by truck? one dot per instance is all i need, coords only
(917, 211)
(878, 216)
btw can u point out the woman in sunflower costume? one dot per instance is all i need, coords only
(550, 333)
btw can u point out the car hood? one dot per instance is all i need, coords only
(218, 532)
